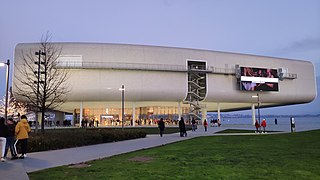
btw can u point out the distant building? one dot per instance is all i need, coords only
(173, 82)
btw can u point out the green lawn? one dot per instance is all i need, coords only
(239, 131)
(278, 156)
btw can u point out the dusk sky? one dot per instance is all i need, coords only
(277, 28)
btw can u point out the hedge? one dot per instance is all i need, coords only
(68, 138)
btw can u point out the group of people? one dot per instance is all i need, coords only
(215, 122)
(85, 122)
(182, 127)
(205, 124)
(263, 125)
(11, 134)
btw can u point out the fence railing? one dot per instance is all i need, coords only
(151, 67)
(116, 65)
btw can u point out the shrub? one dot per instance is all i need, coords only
(66, 138)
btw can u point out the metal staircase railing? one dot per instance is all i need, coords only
(196, 90)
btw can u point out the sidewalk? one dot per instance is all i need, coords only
(18, 169)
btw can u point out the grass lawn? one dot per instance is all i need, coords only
(278, 156)
(238, 131)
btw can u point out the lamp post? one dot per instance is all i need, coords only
(122, 100)
(257, 96)
(7, 88)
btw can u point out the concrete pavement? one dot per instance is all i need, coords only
(19, 168)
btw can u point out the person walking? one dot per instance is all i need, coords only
(257, 125)
(194, 125)
(22, 129)
(161, 126)
(182, 127)
(3, 137)
(97, 122)
(219, 122)
(264, 125)
(205, 124)
(292, 124)
(10, 140)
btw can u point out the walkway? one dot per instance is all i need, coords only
(18, 169)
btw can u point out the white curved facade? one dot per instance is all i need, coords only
(158, 76)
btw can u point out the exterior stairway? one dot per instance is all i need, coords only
(196, 88)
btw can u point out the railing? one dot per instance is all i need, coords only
(151, 67)
(290, 76)
(216, 70)
(213, 70)
(116, 65)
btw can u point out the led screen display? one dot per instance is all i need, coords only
(259, 79)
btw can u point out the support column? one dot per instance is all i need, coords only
(74, 118)
(81, 113)
(133, 114)
(253, 113)
(204, 114)
(179, 111)
(219, 116)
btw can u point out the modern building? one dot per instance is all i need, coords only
(172, 82)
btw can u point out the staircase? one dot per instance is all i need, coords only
(196, 88)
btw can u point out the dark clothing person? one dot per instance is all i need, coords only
(86, 123)
(275, 121)
(97, 122)
(219, 123)
(257, 125)
(3, 137)
(82, 123)
(182, 128)
(161, 126)
(10, 139)
(194, 125)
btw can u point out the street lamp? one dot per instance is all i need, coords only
(7, 88)
(257, 96)
(122, 99)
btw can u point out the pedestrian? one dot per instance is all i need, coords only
(264, 125)
(205, 124)
(10, 140)
(275, 121)
(86, 123)
(182, 128)
(292, 124)
(97, 122)
(22, 129)
(194, 125)
(257, 125)
(161, 126)
(3, 137)
(82, 123)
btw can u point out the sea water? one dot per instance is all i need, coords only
(302, 123)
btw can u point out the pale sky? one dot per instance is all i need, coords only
(277, 28)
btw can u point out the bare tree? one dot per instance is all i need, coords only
(40, 83)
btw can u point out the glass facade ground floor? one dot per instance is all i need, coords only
(138, 116)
